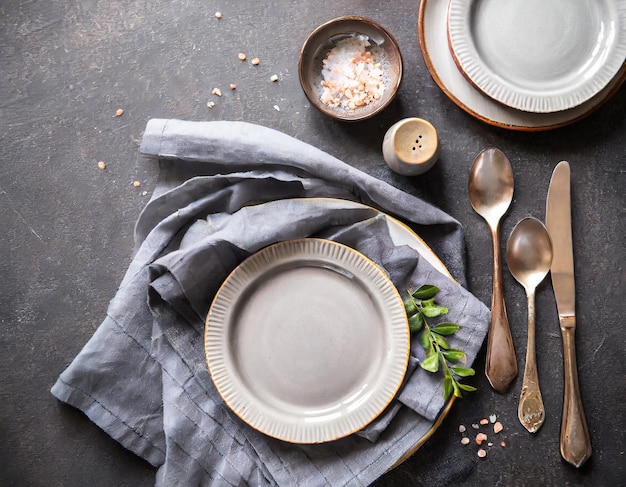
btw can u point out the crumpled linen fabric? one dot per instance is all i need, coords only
(226, 190)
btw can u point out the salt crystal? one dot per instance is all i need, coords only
(484, 421)
(480, 437)
(492, 418)
(462, 428)
(465, 440)
(498, 427)
(481, 453)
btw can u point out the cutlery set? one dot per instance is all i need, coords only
(533, 249)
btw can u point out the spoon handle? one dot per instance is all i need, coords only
(501, 364)
(575, 442)
(531, 412)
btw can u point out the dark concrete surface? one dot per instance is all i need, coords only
(67, 226)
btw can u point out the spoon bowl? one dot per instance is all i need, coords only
(490, 188)
(529, 256)
(491, 185)
(529, 253)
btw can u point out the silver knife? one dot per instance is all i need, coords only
(575, 442)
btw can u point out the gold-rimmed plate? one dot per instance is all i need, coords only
(433, 40)
(538, 56)
(307, 340)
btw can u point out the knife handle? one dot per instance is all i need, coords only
(575, 442)
(501, 364)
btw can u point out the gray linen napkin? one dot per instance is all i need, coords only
(226, 190)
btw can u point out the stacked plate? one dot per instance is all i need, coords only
(299, 312)
(525, 64)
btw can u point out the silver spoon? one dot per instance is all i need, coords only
(490, 189)
(529, 256)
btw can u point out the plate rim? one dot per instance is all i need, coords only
(314, 434)
(466, 56)
(460, 91)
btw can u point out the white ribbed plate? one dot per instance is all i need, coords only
(538, 56)
(307, 340)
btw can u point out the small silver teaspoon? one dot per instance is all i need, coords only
(529, 255)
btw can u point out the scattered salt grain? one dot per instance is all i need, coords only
(498, 427)
(274, 78)
(241, 56)
(503, 444)
(484, 421)
(136, 184)
(277, 108)
(255, 61)
(475, 426)
(216, 91)
(233, 86)
(462, 428)
(481, 453)
(465, 441)
(490, 444)
(480, 437)
(210, 104)
(102, 165)
(119, 112)
(492, 418)
(218, 15)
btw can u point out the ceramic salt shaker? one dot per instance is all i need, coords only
(411, 146)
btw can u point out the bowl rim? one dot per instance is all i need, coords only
(394, 86)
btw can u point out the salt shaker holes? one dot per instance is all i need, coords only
(411, 146)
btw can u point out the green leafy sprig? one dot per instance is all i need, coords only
(420, 305)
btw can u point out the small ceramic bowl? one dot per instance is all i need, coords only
(322, 40)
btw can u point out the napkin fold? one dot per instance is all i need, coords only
(226, 190)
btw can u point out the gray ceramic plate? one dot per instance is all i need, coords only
(538, 55)
(433, 40)
(307, 340)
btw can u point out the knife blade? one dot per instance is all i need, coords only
(575, 443)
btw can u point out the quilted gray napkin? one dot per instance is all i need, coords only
(226, 190)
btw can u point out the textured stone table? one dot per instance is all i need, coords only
(66, 67)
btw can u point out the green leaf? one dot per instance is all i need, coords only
(431, 363)
(433, 311)
(447, 387)
(426, 291)
(441, 341)
(467, 388)
(453, 355)
(410, 306)
(463, 371)
(446, 328)
(419, 306)
(416, 322)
